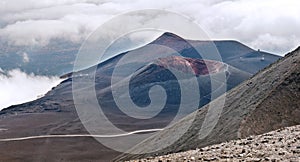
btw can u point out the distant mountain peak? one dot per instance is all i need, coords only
(167, 36)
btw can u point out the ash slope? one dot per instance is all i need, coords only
(268, 101)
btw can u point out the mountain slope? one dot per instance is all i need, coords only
(279, 145)
(267, 101)
(55, 113)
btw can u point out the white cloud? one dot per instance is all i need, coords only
(251, 22)
(255, 22)
(41, 32)
(17, 87)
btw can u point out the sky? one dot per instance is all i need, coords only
(269, 25)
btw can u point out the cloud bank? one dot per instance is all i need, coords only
(271, 25)
(17, 87)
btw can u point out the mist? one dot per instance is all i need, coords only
(17, 87)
